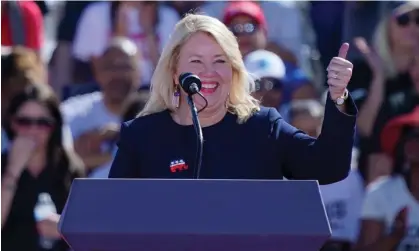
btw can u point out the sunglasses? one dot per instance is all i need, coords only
(405, 19)
(267, 84)
(244, 29)
(39, 122)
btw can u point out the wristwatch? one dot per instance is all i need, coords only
(341, 100)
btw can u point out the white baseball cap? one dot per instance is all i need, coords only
(264, 64)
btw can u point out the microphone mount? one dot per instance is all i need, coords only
(191, 84)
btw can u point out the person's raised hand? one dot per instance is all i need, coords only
(147, 16)
(371, 57)
(400, 224)
(339, 73)
(121, 20)
(20, 152)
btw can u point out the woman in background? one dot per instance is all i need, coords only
(391, 208)
(35, 163)
(384, 78)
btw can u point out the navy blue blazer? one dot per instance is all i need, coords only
(265, 147)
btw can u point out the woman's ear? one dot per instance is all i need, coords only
(176, 78)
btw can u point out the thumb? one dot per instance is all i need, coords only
(343, 51)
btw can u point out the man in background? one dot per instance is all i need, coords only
(269, 71)
(284, 32)
(94, 118)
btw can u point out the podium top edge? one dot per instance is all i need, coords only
(222, 180)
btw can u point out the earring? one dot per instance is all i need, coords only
(176, 97)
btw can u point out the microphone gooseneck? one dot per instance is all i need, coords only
(191, 84)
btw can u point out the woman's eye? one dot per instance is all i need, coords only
(196, 61)
(221, 61)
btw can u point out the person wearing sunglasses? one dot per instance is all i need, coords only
(269, 71)
(36, 162)
(382, 77)
(247, 21)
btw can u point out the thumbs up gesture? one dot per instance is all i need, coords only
(339, 73)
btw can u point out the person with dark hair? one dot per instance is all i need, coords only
(94, 118)
(36, 163)
(391, 208)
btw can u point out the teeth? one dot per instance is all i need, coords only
(209, 86)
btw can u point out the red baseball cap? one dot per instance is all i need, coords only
(392, 131)
(247, 8)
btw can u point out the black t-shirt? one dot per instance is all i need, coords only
(362, 77)
(398, 88)
(397, 104)
(19, 232)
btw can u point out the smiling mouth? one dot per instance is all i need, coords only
(209, 87)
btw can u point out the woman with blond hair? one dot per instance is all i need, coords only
(383, 82)
(242, 140)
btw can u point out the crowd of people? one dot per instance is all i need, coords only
(61, 115)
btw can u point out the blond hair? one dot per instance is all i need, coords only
(381, 44)
(21, 66)
(240, 102)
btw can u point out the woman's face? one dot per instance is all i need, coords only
(404, 29)
(34, 121)
(204, 57)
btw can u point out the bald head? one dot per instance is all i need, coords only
(118, 69)
(122, 44)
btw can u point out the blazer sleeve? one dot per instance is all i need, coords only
(327, 158)
(125, 163)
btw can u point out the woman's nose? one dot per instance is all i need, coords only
(208, 68)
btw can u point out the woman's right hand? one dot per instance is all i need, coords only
(20, 152)
(373, 59)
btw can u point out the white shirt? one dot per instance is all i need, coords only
(86, 113)
(94, 31)
(343, 203)
(384, 199)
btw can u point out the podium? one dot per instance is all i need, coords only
(194, 215)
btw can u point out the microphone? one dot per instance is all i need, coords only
(191, 84)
